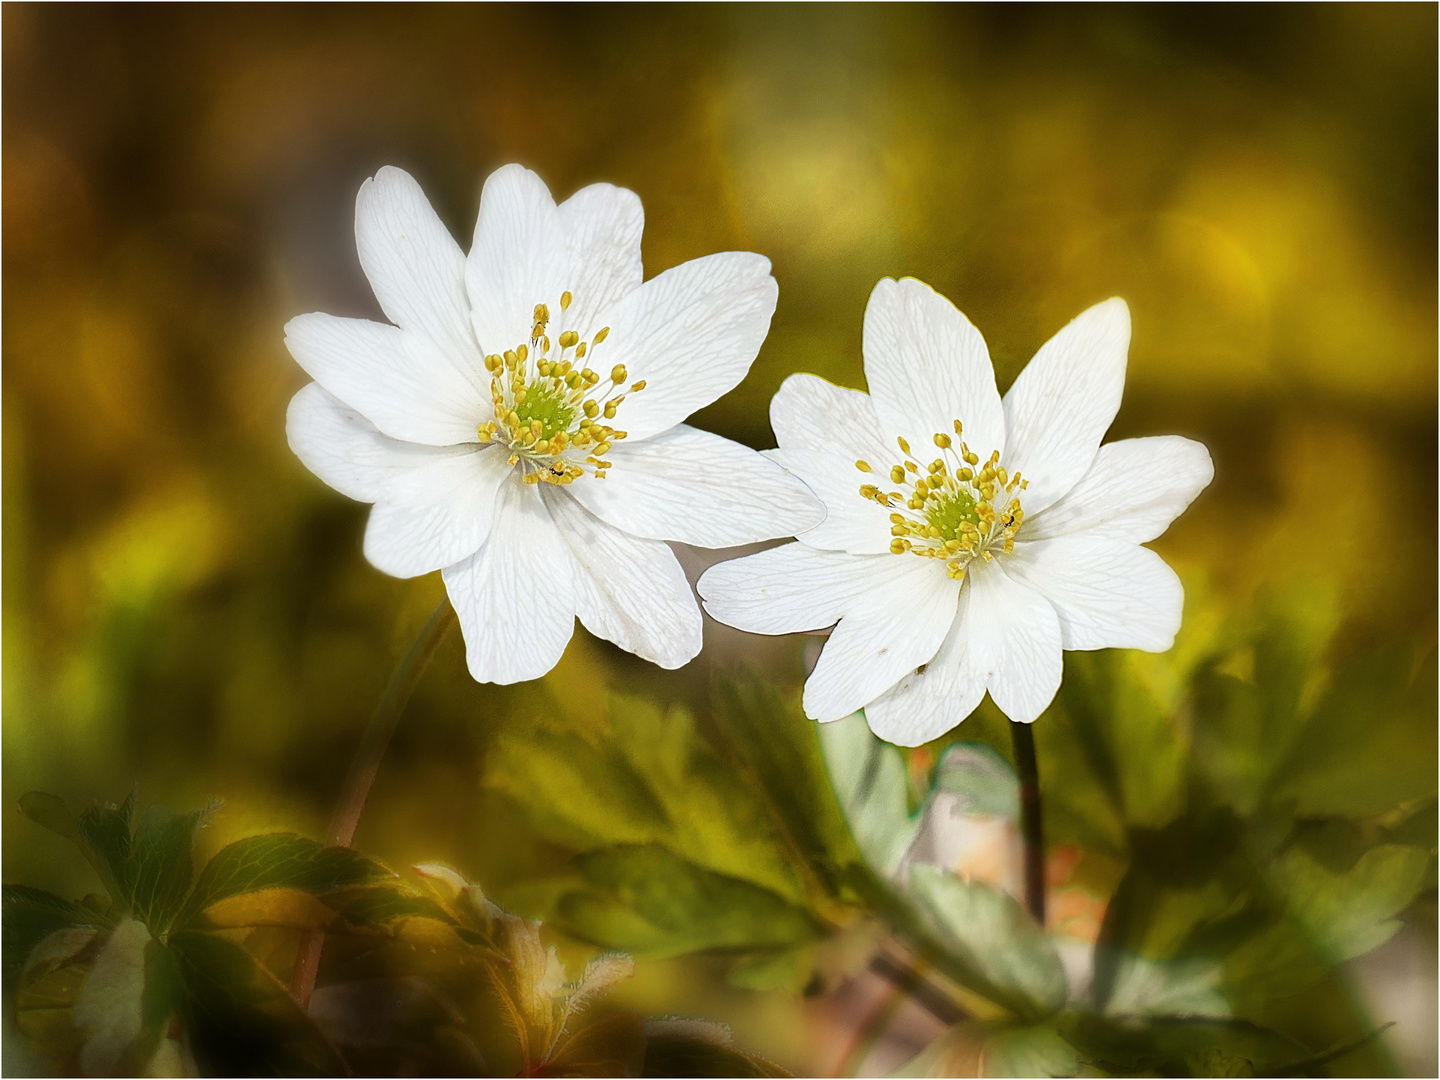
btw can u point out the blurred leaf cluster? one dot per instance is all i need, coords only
(1248, 811)
(173, 973)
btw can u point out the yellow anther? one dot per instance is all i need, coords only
(565, 299)
(898, 519)
(592, 409)
(899, 547)
(609, 410)
(869, 491)
(897, 474)
(602, 335)
(580, 350)
(484, 434)
(618, 374)
(522, 353)
(542, 446)
(904, 446)
(971, 458)
(569, 337)
(863, 466)
(532, 478)
(910, 466)
(635, 388)
(942, 440)
(958, 429)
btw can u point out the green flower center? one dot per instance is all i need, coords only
(954, 508)
(553, 412)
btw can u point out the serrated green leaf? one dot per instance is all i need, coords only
(28, 916)
(279, 861)
(649, 901)
(649, 780)
(241, 1020)
(1006, 956)
(782, 752)
(104, 846)
(1348, 914)
(868, 775)
(160, 870)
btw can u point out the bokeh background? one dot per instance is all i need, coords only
(187, 608)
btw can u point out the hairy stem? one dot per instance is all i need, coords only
(364, 768)
(1032, 834)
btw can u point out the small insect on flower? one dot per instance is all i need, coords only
(970, 572)
(493, 447)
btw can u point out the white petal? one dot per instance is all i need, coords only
(692, 486)
(1108, 593)
(852, 523)
(441, 514)
(602, 225)
(400, 382)
(690, 334)
(416, 268)
(1132, 491)
(1015, 645)
(346, 451)
(808, 413)
(520, 257)
(628, 590)
(514, 597)
(788, 589)
(927, 703)
(1059, 408)
(928, 367)
(897, 624)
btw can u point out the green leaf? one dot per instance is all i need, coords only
(868, 775)
(1029, 1051)
(783, 753)
(1179, 1047)
(160, 871)
(1348, 914)
(29, 916)
(645, 778)
(242, 1021)
(1124, 711)
(650, 901)
(102, 835)
(1003, 954)
(1188, 986)
(279, 861)
(1371, 744)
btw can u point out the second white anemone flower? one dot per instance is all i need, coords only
(969, 539)
(519, 427)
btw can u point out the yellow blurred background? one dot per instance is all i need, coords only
(187, 608)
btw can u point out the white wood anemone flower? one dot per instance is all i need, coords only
(519, 427)
(969, 539)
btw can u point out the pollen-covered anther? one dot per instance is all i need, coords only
(953, 511)
(552, 413)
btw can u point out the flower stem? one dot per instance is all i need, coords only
(364, 768)
(1031, 832)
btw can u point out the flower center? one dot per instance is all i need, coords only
(553, 414)
(954, 508)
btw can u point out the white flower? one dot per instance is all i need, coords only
(1028, 530)
(519, 427)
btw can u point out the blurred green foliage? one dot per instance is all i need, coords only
(184, 606)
